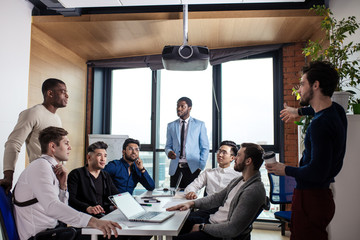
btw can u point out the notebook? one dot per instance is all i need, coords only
(133, 211)
(163, 192)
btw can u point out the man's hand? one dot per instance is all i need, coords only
(181, 207)
(195, 228)
(61, 174)
(191, 196)
(276, 168)
(105, 226)
(171, 155)
(139, 164)
(7, 181)
(95, 210)
(288, 113)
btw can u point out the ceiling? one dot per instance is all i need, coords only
(105, 36)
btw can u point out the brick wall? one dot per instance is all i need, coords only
(293, 61)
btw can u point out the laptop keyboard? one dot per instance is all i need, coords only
(148, 215)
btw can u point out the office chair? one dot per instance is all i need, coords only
(8, 226)
(246, 234)
(281, 192)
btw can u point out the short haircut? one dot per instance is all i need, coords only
(255, 152)
(51, 134)
(187, 100)
(325, 73)
(130, 140)
(50, 84)
(97, 145)
(231, 144)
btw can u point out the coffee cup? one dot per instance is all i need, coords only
(269, 157)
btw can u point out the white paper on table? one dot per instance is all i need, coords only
(176, 201)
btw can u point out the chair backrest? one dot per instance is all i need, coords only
(281, 188)
(246, 234)
(7, 216)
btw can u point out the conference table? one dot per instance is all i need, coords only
(169, 228)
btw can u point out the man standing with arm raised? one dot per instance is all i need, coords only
(313, 205)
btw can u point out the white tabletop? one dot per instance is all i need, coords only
(170, 227)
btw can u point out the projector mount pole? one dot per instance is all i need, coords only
(185, 51)
(185, 23)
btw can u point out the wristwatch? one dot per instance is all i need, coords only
(201, 226)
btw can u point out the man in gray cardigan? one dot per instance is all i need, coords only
(238, 203)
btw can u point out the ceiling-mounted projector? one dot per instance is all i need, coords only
(185, 57)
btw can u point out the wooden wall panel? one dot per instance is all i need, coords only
(48, 58)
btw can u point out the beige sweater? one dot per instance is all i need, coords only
(30, 123)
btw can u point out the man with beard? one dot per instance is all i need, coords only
(313, 206)
(89, 187)
(125, 174)
(238, 203)
(187, 145)
(30, 124)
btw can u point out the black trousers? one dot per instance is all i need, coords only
(197, 217)
(187, 178)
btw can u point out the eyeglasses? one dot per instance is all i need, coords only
(133, 149)
(222, 152)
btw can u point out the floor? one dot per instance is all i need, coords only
(259, 234)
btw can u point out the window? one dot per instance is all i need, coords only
(247, 101)
(238, 100)
(131, 103)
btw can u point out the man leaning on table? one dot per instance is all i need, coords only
(45, 182)
(238, 203)
(90, 186)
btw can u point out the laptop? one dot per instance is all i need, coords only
(133, 211)
(162, 192)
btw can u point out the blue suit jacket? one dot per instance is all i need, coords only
(196, 146)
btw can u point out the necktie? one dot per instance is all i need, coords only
(182, 138)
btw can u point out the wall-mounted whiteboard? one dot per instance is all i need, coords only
(114, 142)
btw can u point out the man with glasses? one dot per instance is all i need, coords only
(125, 174)
(216, 179)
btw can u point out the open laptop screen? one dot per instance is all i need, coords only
(127, 204)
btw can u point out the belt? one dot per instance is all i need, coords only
(183, 165)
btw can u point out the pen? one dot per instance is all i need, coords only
(146, 204)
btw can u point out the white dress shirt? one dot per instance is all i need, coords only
(183, 159)
(39, 181)
(214, 180)
(223, 212)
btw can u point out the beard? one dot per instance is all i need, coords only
(239, 167)
(305, 101)
(130, 158)
(181, 115)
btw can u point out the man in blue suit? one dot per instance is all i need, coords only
(187, 145)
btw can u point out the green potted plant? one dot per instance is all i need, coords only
(355, 105)
(336, 49)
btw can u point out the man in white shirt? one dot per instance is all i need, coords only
(216, 179)
(44, 181)
(238, 203)
(31, 121)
